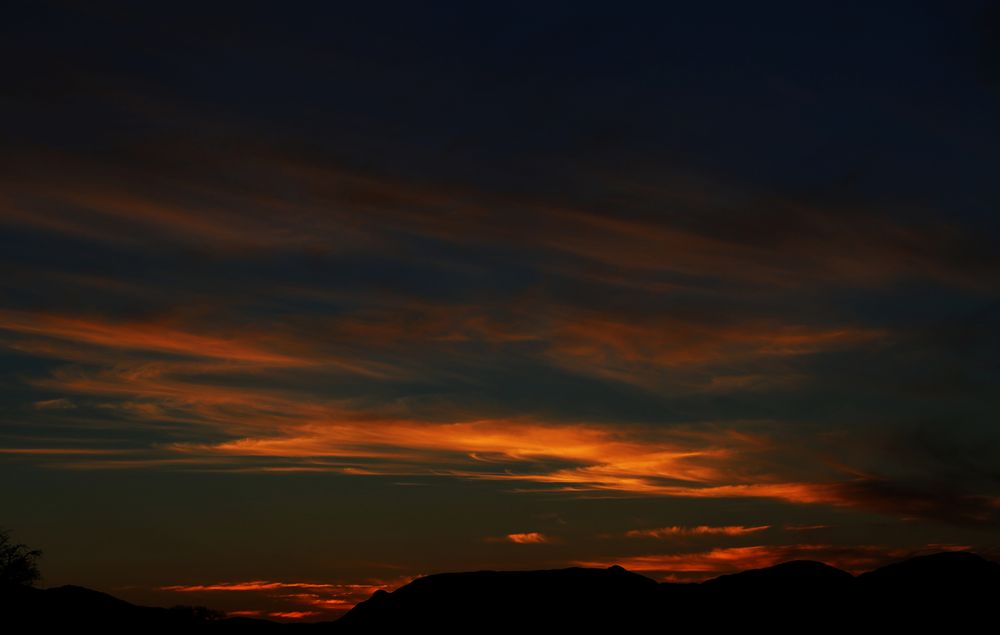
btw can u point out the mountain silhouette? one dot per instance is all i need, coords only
(788, 577)
(558, 597)
(947, 572)
(951, 590)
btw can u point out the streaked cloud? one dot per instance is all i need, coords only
(286, 599)
(54, 404)
(150, 336)
(254, 585)
(702, 565)
(700, 530)
(794, 527)
(292, 615)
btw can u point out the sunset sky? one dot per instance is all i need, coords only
(299, 303)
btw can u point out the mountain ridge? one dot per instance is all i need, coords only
(941, 588)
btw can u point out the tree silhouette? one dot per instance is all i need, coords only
(18, 562)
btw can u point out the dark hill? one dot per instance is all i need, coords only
(789, 577)
(552, 598)
(72, 608)
(950, 570)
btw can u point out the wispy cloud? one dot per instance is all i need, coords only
(54, 404)
(528, 538)
(700, 530)
(701, 565)
(287, 599)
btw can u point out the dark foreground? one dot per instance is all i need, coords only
(956, 591)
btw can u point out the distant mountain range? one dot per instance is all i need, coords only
(954, 592)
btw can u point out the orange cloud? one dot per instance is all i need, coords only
(64, 451)
(343, 210)
(277, 430)
(241, 349)
(272, 430)
(613, 457)
(529, 538)
(627, 349)
(270, 423)
(330, 599)
(702, 565)
(620, 347)
(700, 530)
(292, 615)
(255, 585)
(140, 336)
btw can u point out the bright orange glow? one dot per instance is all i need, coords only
(292, 615)
(532, 537)
(58, 451)
(491, 441)
(256, 585)
(571, 457)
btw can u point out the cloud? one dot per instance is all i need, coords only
(694, 316)
(633, 350)
(527, 538)
(57, 451)
(286, 599)
(292, 615)
(54, 404)
(700, 530)
(702, 565)
(284, 430)
(254, 585)
(157, 337)
(927, 500)
(274, 200)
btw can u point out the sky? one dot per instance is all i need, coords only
(304, 301)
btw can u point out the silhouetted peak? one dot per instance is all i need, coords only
(944, 569)
(83, 596)
(571, 576)
(942, 559)
(462, 598)
(794, 575)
